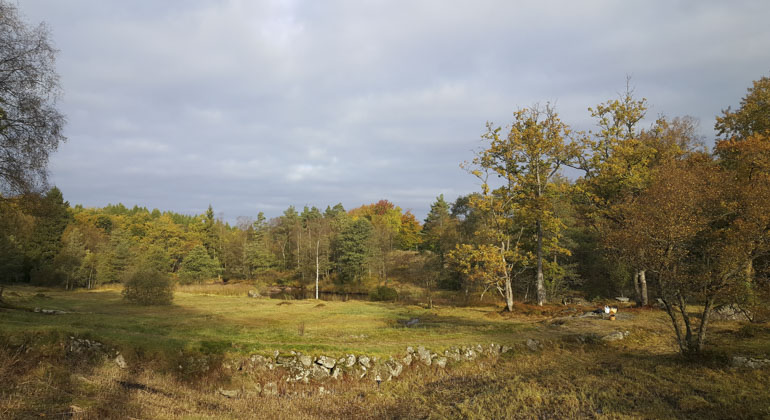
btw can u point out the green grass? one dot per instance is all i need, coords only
(639, 377)
(256, 325)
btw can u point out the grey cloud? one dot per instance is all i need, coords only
(253, 106)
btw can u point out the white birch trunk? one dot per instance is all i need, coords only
(317, 266)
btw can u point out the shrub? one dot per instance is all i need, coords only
(149, 287)
(383, 293)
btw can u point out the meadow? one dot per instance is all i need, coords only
(641, 376)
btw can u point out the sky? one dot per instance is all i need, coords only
(257, 105)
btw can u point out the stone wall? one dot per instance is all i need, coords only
(300, 367)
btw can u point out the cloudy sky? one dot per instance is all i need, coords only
(257, 105)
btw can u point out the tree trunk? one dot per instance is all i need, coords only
(637, 289)
(688, 338)
(317, 244)
(540, 277)
(704, 322)
(508, 281)
(677, 329)
(508, 294)
(643, 286)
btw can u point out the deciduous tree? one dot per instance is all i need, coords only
(752, 117)
(526, 159)
(30, 123)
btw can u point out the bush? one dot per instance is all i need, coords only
(149, 287)
(383, 293)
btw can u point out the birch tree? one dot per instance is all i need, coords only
(31, 127)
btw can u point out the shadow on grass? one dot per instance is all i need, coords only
(42, 379)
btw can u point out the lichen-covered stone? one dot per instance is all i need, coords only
(305, 361)
(534, 345)
(364, 361)
(229, 393)
(424, 355)
(350, 361)
(407, 360)
(394, 368)
(615, 336)
(319, 372)
(121, 362)
(326, 362)
(285, 359)
(749, 362)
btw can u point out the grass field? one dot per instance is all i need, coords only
(638, 377)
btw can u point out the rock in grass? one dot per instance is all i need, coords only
(424, 355)
(622, 299)
(615, 336)
(319, 372)
(469, 353)
(229, 393)
(534, 345)
(350, 361)
(453, 353)
(326, 362)
(394, 368)
(364, 361)
(121, 362)
(285, 360)
(749, 362)
(441, 362)
(48, 311)
(730, 313)
(258, 360)
(306, 361)
(493, 350)
(407, 360)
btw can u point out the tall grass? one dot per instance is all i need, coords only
(219, 289)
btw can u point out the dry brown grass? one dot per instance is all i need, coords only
(218, 289)
(560, 382)
(639, 377)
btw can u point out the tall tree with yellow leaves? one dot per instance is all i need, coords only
(526, 159)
